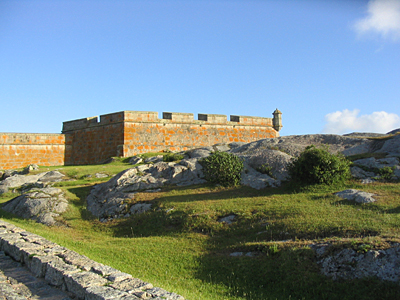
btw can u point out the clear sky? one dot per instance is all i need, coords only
(329, 66)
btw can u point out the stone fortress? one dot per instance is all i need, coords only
(127, 133)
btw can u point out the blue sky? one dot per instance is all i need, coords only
(329, 66)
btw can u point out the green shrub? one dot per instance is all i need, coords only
(265, 169)
(169, 157)
(318, 166)
(386, 173)
(222, 168)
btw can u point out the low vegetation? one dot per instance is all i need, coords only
(182, 245)
(318, 166)
(222, 168)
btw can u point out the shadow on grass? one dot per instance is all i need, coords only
(81, 194)
(210, 192)
(163, 219)
(250, 223)
(11, 217)
(375, 207)
(288, 274)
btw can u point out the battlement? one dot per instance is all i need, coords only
(255, 121)
(169, 117)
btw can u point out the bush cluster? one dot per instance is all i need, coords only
(222, 168)
(318, 166)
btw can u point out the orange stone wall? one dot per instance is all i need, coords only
(183, 133)
(127, 133)
(90, 142)
(21, 149)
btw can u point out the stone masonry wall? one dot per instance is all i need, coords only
(20, 149)
(94, 144)
(127, 133)
(174, 135)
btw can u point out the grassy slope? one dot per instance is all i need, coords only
(181, 246)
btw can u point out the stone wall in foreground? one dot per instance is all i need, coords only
(72, 272)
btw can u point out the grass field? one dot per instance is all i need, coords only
(180, 245)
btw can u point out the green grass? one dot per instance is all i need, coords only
(180, 245)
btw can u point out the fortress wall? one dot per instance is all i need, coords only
(18, 150)
(127, 133)
(89, 141)
(179, 132)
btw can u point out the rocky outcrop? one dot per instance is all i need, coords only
(295, 144)
(265, 165)
(373, 163)
(277, 153)
(18, 180)
(390, 146)
(39, 204)
(369, 168)
(72, 272)
(39, 201)
(114, 199)
(349, 263)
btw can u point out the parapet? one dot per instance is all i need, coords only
(141, 116)
(178, 117)
(79, 124)
(117, 117)
(255, 121)
(113, 118)
(212, 118)
(171, 117)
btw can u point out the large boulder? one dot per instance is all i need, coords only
(39, 204)
(52, 176)
(360, 173)
(18, 180)
(277, 161)
(257, 180)
(391, 146)
(373, 163)
(115, 198)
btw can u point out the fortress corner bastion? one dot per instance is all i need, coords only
(93, 140)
